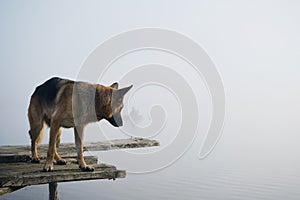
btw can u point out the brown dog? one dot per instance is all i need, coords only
(62, 103)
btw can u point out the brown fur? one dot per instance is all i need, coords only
(61, 103)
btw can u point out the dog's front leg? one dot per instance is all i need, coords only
(54, 129)
(79, 140)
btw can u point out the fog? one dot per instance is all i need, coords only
(254, 45)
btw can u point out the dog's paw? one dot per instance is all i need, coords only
(61, 162)
(48, 168)
(35, 160)
(87, 168)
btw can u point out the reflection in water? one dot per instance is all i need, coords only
(53, 191)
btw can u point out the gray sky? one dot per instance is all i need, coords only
(255, 46)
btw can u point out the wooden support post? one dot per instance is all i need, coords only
(53, 191)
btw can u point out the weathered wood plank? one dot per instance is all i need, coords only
(121, 144)
(7, 190)
(34, 175)
(68, 149)
(27, 173)
(12, 158)
(13, 169)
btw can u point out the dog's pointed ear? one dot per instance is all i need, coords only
(115, 85)
(123, 91)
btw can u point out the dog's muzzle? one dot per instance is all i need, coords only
(115, 120)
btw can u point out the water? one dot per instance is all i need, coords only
(222, 175)
(219, 184)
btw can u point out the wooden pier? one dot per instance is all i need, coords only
(16, 170)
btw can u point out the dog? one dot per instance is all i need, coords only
(62, 103)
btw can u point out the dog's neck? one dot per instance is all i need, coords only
(102, 99)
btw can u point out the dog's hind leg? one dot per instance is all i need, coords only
(54, 130)
(58, 158)
(36, 131)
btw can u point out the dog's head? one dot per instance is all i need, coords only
(116, 104)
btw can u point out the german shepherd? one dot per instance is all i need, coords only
(62, 103)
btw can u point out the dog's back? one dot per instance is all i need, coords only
(44, 96)
(47, 91)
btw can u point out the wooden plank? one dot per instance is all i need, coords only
(12, 158)
(68, 149)
(30, 174)
(15, 176)
(121, 144)
(14, 169)
(6, 190)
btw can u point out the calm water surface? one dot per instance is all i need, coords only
(222, 175)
